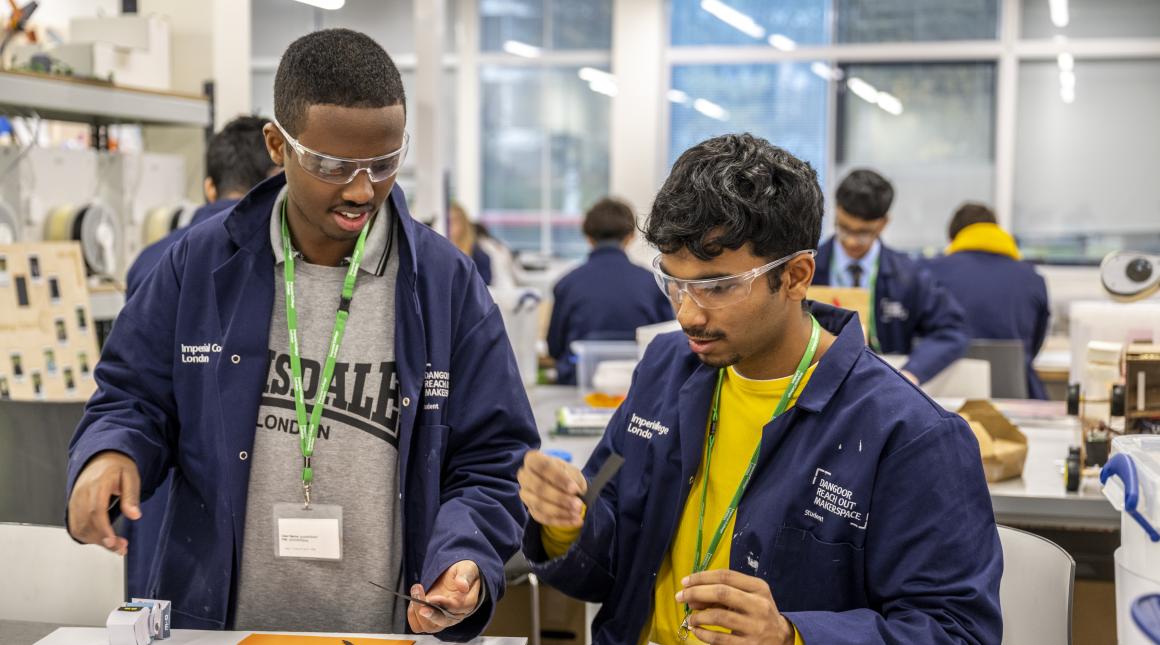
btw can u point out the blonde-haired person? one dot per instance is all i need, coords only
(1002, 296)
(493, 260)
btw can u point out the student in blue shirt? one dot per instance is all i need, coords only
(907, 303)
(1004, 297)
(235, 161)
(607, 297)
(779, 480)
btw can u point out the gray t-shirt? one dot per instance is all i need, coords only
(355, 458)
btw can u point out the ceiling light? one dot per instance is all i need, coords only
(1059, 13)
(734, 18)
(782, 42)
(677, 96)
(711, 109)
(523, 50)
(325, 4)
(864, 90)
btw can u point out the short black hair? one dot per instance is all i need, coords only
(609, 219)
(735, 189)
(333, 67)
(236, 158)
(967, 214)
(865, 194)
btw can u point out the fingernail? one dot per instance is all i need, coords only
(109, 542)
(685, 581)
(426, 612)
(577, 505)
(415, 589)
(680, 596)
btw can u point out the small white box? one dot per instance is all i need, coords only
(129, 625)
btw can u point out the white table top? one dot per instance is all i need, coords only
(99, 636)
(1038, 498)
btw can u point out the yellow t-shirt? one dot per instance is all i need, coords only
(746, 406)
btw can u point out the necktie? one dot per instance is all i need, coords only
(855, 271)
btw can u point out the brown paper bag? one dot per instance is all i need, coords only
(1002, 445)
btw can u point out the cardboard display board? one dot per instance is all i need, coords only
(1002, 445)
(856, 300)
(47, 342)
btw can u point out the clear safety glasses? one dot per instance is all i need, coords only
(715, 293)
(864, 237)
(337, 170)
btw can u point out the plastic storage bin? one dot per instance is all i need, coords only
(615, 377)
(1131, 481)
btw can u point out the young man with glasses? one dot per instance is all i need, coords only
(330, 381)
(780, 481)
(907, 303)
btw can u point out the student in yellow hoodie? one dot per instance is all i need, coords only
(1003, 296)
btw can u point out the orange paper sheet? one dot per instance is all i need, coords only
(285, 639)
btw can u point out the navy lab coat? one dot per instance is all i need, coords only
(908, 554)
(459, 447)
(143, 533)
(1003, 298)
(910, 304)
(606, 298)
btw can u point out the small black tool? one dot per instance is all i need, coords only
(603, 476)
(447, 613)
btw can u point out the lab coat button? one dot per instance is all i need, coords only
(243, 455)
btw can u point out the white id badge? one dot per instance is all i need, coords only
(313, 533)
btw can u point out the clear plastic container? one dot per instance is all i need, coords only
(1131, 584)
(1132, 476)
(591, 353)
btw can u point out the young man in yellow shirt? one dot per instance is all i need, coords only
(781, 484)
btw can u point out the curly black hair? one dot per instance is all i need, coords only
(333, 67)
(736, 189)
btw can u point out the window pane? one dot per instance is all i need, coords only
(545, 155)
(784, 103)
(1091, 19)
(878, 21)
(391, 24)
(570, 24)
(929, 128)
(521, 21)
(748, 22)
(1085, 171)
(582, 25)
(577, 122)
(784, 24)
(513, 154)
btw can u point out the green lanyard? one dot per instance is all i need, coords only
(308, 430)
(700, 563)
(873, 309)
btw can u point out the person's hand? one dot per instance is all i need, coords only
(740, 603)
(457, 590)
(107, 474)
(910, 377)
(551, 490)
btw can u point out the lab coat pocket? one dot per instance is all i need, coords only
(427, 465)
(812, 575)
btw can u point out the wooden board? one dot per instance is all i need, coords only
(48, 345)
(856, 300)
